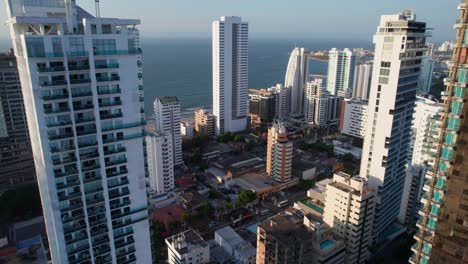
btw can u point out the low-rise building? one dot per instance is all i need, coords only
(342, 148)
(187, 247)
(234, 245)
(186, 129)
(204, 122)
(291, 237)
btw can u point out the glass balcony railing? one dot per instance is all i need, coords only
(108, 91)
(62, 149)
(78, 67)
(51, 69)
(108, 79)
(58, 123)
(116, 162)
(84, 120)
(83, 107)
(92, 179)
(72, 207)
(66, 173)
(54, 83)
(123, 126)
(78, 54)
(79, 81)
(61, 136)
(89, 155)
(57, 110)
(69, 196)
(54, 97)
(109, 104)
(86, 132)
(64, 161)
(87, 144)
(117, 173)
(61, 185)
(114, 151)
(110, 140)
(82, 94)
(46, 55)
(90, 168)
(117, 52)
(107, 66)
(68, 219)
(117, 115)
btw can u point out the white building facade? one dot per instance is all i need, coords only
(425, 76)
(187, 247)
(349, 209)
(82, 84)
(230, 37)
(362, 81)
(340, 75)
(399, 45)
(160, 162)
(354, 118)
(281, 100)
(167, 120)
(279, 154)
(296, 78)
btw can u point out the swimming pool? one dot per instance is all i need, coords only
(327, 244)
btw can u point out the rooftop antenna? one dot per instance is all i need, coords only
(98, 13)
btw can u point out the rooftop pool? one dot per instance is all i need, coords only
(327, 244)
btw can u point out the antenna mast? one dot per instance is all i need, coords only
(98, 13)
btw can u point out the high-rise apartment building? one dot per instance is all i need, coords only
(16, 159)
(81, 77)
(230, 38)
(281, 100)
(340, 75)
(425, 75)
(316, 103)
(349, 210)
(279, 154)
(292, 237)
(296, 78)
(362, 81)
(204, 122)
(443, 226)
(160, 162)
(167, 120)
(353, 120)
(425, 119)
(262, 106)
(399, 46)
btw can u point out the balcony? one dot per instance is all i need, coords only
(140, 87)
(100, 189)
(57, 110)
(62, 149)
(118, 184)
(86, 132)
(87, 144)
(92, 179)
(119, 224)
(68, 219)
(54, 97)
(54, 83)
(118, 115)
(73, 228)
(134, 211)
(123, 234)
(107, 66)
(71, 240)
(96, 212)
(84, 120)
(116, 162)
(89, 155)
(69, 196)
(115, 151)
(108, 79)
(122, 244)
(98, 221)
(95, 201)
(128, 137)
(78, 67)
(119, 194)
(79, 81)
(78, 54)
(109, 91)
(66, 173)
(123, 126)
(46, 55)
(82, 94)
(117, 52)
(61, 185)
(119, 205)
(83, 107)
(78, 249)
(117, 173)
(63, 161)
(72, 207)
(90, 168)
(109, 104)
(58, 123)
(61, 136)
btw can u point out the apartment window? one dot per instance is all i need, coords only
(107, 45)
(35, 47)
(57, 45)
(76, 44)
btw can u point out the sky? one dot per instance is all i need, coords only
(292, 19)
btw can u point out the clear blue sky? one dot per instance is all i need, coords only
(300, 19)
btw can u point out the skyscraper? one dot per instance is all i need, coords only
(362, 81)
(316, 103)
(425, 76)
(340, 72)
(16, 159)
(281, 100)
(160, 162)
(80, 77)
(296, 78)
(443, 230)
(167, 120)
(279, 154)
(399, 45)
(262, 106)
(230, 38)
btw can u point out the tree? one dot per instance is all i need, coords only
(245, 197)
(20, 204)
(348, 157)
(158, 229)
(238, 138)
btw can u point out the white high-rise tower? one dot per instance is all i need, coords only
(340, 72)
(399, 45)
(81, 78)
(230, 38)
(362, 81)
(296, 78)
(167, 120)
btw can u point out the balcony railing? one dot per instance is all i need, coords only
(117, 52)
(82, 94)
(86, 132)
(46, 55)
(54, 83)
(51, 69)
(109, 104)
(111, 116)
(115, 151)
(78, 54)
(64, 161)
(84, 120)
(58, 123)
(117, 173)
(61, 136)
(123, 126)
(108, 91)
(78, 67)
(110, 140)
(107, 66)
(54, 97)
(66, 173)
(108, 79)
(116, 162)
(79, 81)
(83, 107)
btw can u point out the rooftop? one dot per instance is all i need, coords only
(254, 181)
(186, 241)
(168, 100)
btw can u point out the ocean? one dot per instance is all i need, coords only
(182, 67)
